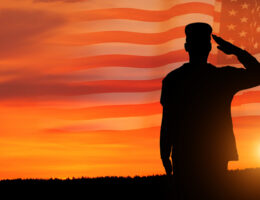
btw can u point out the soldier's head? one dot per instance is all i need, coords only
(198, 40)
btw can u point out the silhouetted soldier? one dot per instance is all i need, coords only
(197, 131)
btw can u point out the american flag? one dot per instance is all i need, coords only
(129, 46)
(240, 25)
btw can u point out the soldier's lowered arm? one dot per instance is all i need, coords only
(165, 143)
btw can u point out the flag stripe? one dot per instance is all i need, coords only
(146, 15)
(140, 26)
(115, 111)
(111, 100)
(124, 37)
(137, 4)
(238, 122)
(120, 73)
(92, 87)
(123, 123)
(130, 49)
(127, 123)
(110, 86)
(26, 89)
(123, 73)
(252, 96)
(124, 61)
(251, 109)
(91, 100)
(129, 110)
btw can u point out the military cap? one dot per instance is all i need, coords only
(198, 30)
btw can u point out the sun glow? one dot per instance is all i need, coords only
(258, 152)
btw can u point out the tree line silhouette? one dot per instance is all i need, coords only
(241, 185)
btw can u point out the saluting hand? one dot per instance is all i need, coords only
(226, 46)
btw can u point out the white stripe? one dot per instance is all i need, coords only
(123, 73)
(131, 73)
(123, 123)
(216, 27)
(129, 49)
(143, 4)
(168, 4)
(218, 6)
(101, 99)
(106, 99)
(135, 49)
(129, 123)
(252, 109)
(140, 26)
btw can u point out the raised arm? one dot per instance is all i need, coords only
(249, 62)
(241, 78)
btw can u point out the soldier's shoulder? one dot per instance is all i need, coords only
(175, 73)
(230, 69)
(226, 67)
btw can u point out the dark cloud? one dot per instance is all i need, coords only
(24, 29)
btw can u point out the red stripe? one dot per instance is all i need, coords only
(154, 132)
(107, 111)
(115, 135)
(124, 37)
(246, 122)
(115, 86)
(145, 15)
(124, 61)
(25, 89)
(116, 111)
(246, 98)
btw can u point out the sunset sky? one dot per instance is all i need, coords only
(80, 84)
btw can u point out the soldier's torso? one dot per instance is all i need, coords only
(200, 100)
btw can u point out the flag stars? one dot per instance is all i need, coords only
(244, 6)
(232, 12)
(256, 45)
(229, 56)
(231, 27)
(230, 40)
(242, 47)
(244, 19)
(242, 34)
(253, 24)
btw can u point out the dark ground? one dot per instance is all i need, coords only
(242, 185)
